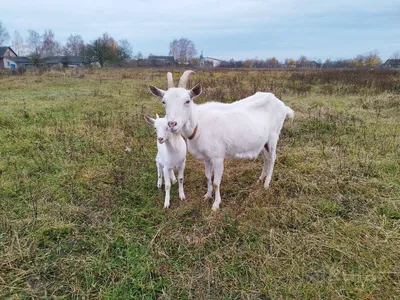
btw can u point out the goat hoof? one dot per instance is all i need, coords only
(166, 206)
(173, 181)
(261, 179)
(215, 208)
(205, 197)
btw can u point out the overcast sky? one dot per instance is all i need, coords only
(223, 29)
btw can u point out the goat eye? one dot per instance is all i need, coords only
(163, 102)
(187, 102)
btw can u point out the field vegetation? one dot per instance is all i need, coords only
(81, 216)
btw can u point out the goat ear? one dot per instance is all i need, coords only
(195, 91)
(149, 120)
(156, 91)
(157, 117)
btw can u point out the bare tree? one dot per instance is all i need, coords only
(359, 61)
(75, 46)
(257, 63)
(125, 50)
(4, 36)
(18, 44)
(290, 62)
(183, 50)
(271, 62)
(328, 63)
(248, 63)
(372, 59)
(34, 44)
(50, 46)
(302, 62)
(138, 56)
(395, 55)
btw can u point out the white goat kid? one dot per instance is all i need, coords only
(171, 154)
(216, 131)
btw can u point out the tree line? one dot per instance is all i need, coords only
(367, 60)
(37, 46)
(105, 49)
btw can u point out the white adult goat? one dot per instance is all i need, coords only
(171, 154)
(216, 131)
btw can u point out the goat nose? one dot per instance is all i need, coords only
(172, 124)
(160, 139)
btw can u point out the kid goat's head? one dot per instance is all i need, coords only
(161, 127)
(177, 101)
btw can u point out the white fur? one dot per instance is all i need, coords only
(171, 155)
(237, 130)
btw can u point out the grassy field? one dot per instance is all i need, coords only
(81, 217)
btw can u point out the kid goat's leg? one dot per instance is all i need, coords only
(159, 174)
(218, 166)
(167, 182)
(208, 171)
(172, 176)
(181, 170)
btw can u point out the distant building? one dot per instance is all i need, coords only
(63, 61)
(10, 60)
(391, 64)
(315, 65)
(308, 64)
(159, 61)
(209, 61)
(17, 62)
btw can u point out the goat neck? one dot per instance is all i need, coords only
(191, 124)
(172, 144)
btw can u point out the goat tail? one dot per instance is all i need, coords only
(289, 112)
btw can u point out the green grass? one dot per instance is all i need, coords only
(82, 218)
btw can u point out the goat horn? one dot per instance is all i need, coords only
(184, 79)
(170, 80)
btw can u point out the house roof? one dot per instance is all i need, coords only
(4, 49)
(161, 57)
(159, 60)
(63, 59)
(20, 59)
(212, 58)
(392, 62)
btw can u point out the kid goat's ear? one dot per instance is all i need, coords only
(149, 120)
(195, 91)
(156, 91)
